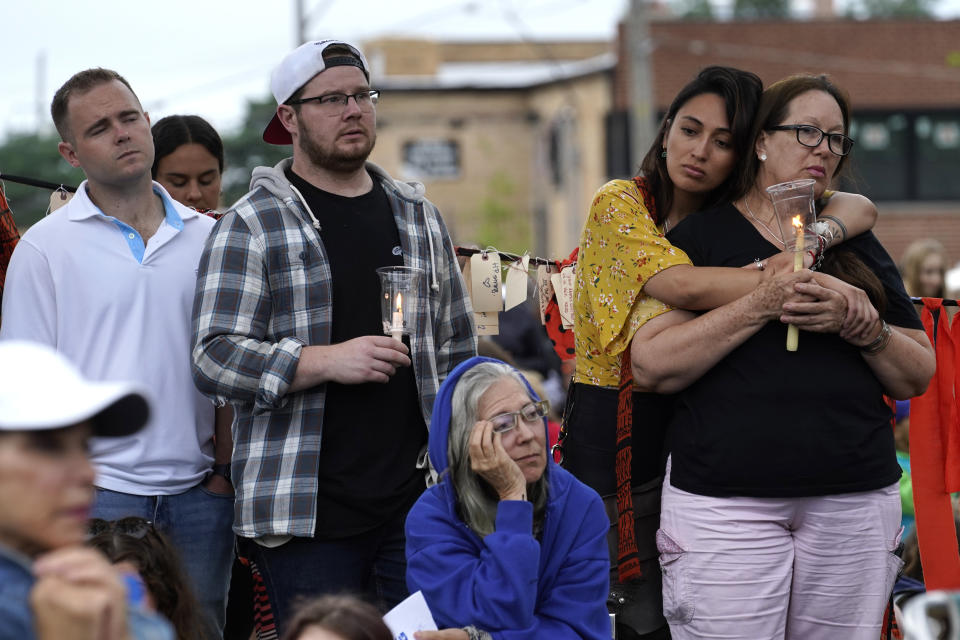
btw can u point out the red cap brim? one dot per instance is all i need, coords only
(275, 133)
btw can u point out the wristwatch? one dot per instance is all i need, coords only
(223, 470)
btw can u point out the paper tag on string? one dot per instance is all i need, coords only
(485, 279)
(517, 282)
(487, 323)
(544, 288)
(563, 284)
(59, 198)
(568, 276)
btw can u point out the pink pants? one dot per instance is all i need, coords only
(800, 568)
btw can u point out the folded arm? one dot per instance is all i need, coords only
(673, 350)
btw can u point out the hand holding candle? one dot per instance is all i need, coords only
(793, 205)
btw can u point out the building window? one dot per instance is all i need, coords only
(906, 156)
(938, 157)
(431, 159)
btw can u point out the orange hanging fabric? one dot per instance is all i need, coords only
(953, 429)
(931, 415)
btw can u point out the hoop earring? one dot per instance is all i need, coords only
(663, 154)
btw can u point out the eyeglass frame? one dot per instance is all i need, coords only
(829, 136)
(372, 94)
(542, 407)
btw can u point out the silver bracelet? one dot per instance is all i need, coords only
(879, 343)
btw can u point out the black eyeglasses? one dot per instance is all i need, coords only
(530, 413)
(333, 104)
(133, 526)
(811, 136)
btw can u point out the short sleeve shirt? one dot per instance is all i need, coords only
(620, 249)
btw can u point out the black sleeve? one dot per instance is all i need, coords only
(901, 312)
(686, 236)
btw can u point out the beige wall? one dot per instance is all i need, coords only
(503, 139)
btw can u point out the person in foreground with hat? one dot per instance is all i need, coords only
(331, 414)
(51, 587)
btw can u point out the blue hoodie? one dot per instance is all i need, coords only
(510, 584)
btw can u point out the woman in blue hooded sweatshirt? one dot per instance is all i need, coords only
(508, 544)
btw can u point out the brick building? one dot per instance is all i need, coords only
(512, 138)
(903, 78)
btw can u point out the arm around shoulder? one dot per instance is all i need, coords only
(848, 215)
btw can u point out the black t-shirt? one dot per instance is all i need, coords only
(768, 422)
(372, 433)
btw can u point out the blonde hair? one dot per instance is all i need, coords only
(913, 258)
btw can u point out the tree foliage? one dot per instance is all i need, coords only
(892, 9)
(246, 149)
(695, 10)
(33, 156)
(761, 9)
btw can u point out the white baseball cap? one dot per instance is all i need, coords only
(297, 69)
(40, 389)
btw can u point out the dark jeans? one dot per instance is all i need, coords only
(371, 565)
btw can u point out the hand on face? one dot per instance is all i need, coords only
(490, 460)
(78, 594)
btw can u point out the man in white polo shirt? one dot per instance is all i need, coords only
(108, 280)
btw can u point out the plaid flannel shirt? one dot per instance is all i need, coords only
(263, 292)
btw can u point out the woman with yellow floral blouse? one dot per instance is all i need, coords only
(628, 273)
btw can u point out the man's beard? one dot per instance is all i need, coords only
(332, 159)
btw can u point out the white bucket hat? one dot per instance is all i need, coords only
(297, 69)
(40, 389)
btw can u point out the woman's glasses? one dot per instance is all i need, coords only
(530, 413)
(811, 136)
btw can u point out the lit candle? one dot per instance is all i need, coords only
(793, 334)
(396, 325)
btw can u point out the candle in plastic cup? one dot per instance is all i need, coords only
(795, 213)
(399, 297)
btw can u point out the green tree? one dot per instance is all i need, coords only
(33, 156)
(909, 9)
(761, 9)
(501, 226)
(246, 150)
(695, 10)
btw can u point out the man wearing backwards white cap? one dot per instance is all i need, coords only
(50, 586)
(331, 414)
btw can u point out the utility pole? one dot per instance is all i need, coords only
(643, 127)
(40, 97)
(300, 24)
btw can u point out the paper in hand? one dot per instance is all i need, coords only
(409, 616)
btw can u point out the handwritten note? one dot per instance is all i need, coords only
(563, 285)
(410, 616)
(485, 282)
(487, 323)
(544, 288)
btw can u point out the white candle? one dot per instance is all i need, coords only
(793, 333)
(396, 324)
